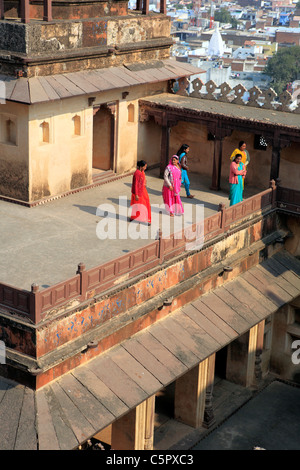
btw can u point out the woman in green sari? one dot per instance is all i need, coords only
(236, 177)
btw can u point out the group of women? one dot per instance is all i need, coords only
(175, 174)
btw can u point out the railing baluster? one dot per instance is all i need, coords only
(25, 13)
(163, 6)
(47, 10)
(1, 9)
(145, 7)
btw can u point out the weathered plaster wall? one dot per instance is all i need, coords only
(61, 341)
(13, 37)
(149, 142)
(131, 145)
(258, 171)
(65, 162)
(130, 30)
(14, 181)
(289, 170)
(105, 312)
(202, 152)
(200, 157)
(50, 37)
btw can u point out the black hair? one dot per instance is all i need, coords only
(238, 155)
(242, 142)
(182, 149)
(141, 163)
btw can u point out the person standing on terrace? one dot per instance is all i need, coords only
(236, 178)
(171, 187)
(140, 202)
(182, 155)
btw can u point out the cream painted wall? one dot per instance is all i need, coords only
(14, 155)
(64, 162)
(130, 147)
(149, 142)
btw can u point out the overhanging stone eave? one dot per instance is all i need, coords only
(197, 108)
(42, 89)
(188, 336)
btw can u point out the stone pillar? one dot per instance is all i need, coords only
(128, 432)
(112, 107)
(258, 353)
(164, 158)
(243, 354)
(191, 394)
(219, 134)
(215, 172)
(149, 423)
(275, 162)
(135, 430)
(209, 417)
(278, 143)
(251, 355)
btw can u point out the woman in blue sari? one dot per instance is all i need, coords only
(236, 177)
(182, 155)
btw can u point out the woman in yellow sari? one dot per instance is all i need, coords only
(245, 155)
(242, 150)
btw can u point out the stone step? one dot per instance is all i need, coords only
(101, 176)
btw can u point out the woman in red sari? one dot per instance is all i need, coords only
(140, 203)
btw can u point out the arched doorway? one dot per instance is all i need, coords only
(103, 138)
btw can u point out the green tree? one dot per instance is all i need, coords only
(223, 16)
(284, 67)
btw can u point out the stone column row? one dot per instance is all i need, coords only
(135, 430)
(193, 403)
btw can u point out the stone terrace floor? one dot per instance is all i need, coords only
(45, 244)
(267, 418)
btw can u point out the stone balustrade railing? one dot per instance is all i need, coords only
(254, 97)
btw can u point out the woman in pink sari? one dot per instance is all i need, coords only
(171, 187)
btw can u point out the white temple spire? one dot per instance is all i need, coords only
(216, 47)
